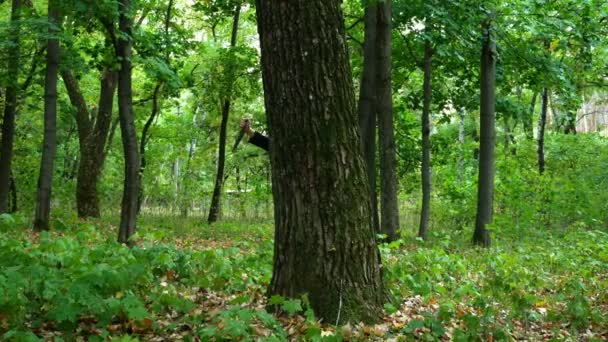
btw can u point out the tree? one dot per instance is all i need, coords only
(324, 238)
(367, 101)
(10, 108)
(156, 106)
(426, 139)
(542, 121)
(487, 137)
(389, 207)
(215, 207)
(128, 213)
(49, 144)
(93, 130)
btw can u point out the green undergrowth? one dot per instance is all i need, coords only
(194, 281)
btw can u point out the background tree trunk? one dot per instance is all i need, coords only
(216, 199)
(367, 100)
(426, 141)
(542, 122)
(389, 206)
(487, 137)
(324, 238)
(461, 137)
(528, 121)
(10, 108)
(128, 214)
(49, 144)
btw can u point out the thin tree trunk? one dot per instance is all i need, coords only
(426, 141)
(542, 121)
(530, 119)
(128, 214)
(145, 137)
(10, 107)
(145, 134)
(367, 100)
(461, 136)
(216, 199)
(487, 137)
(49, 144)
(389, 207)
(13, 189)
(324, 237)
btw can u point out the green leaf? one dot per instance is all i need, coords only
(292, 306)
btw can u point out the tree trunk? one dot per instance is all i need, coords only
(13, 190)
(542, 121)
(461, 136)
(128, 214)
(93, 130)
(49, 144)
(389, 206)
(426, 141)
(324, 238)
(367, 100)
(487, 137)
(529, 120)
(145, 137)
(10, 107)
(216, 198)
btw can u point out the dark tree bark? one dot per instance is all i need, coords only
(13, 202)
(542, 121)
(389, 206)
(10, 108)
(49, 144)
(145, 137)
(528, 121)
(216, 199)
(426, 141)
(367, 100)
(128, 214)
(145, 133)
(93, 130)
(487, 137)
(324, 237)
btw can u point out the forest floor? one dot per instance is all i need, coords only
(184, 280)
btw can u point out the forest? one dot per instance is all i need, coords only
(304, 170)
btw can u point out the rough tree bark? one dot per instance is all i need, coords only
(49, 144)
(367, 100)
(487, 137)
(426, 141)
(216, 199)
(10, 108)
(128, 213)
(389, 207)
(324, 237)
(542, 121)
(93, 131)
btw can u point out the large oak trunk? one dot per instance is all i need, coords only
(128, 214)
(10, 109)
(324, 239)
(389, 208)
(49, 144)
(487, 137)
